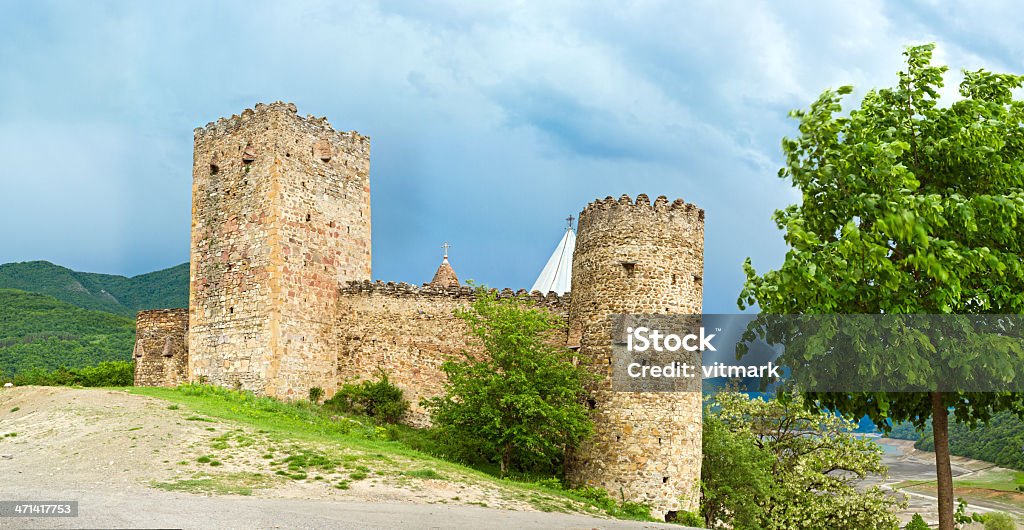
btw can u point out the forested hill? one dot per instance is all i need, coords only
(39, 331)
(999, 440)
(120, 295)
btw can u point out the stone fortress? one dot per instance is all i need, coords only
(281, 297)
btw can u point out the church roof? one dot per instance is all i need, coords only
(445, 275)
(557, 274)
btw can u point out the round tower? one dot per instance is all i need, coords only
(637, 258)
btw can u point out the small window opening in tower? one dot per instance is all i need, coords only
(630, 267)
(248, 154)
(664, 480)
(698, 279)
(308, 217)
(231, 310)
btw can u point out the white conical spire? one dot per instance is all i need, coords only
(557, 274)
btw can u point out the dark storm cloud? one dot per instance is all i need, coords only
(490, 123)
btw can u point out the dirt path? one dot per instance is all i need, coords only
(135, 461)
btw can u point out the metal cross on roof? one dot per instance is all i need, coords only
(570, 219)
(445, 246)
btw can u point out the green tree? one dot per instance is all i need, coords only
(736, 475)
(908, 208)
(780, 466)
(520, 402)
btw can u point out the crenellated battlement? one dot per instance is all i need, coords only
(265, 112)
(461, 293)
(660, 204)
(626, 206)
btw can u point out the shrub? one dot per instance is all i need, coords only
(917, 523)
(999, 521)
(379, 399)
(761, 457)
(316, 394)
(689, 519)
(110, 373)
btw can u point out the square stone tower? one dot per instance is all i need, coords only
(280, 220)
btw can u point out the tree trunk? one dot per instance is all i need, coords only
(943, 473)
(506, 459)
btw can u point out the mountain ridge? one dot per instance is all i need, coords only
(120, 295)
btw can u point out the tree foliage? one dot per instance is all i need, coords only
(777, 465)
(521, 402)
(41, 333)
(108, 373)
(907, 207)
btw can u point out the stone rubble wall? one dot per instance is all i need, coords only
(408, 332)
(161, 347)
(636, 257)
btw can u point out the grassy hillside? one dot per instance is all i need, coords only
(306, 442)
(102, 292)
(39, 331)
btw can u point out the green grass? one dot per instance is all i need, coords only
(359, 439)
(992, 479)
(424, 473)
(228, 484)
(1001, 480)
(15, 409)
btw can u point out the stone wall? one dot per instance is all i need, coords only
(161, 347)
(640, 258)
(280, 219)
(408, 331)
(280, 298)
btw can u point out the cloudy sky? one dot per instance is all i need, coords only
(490, 121)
